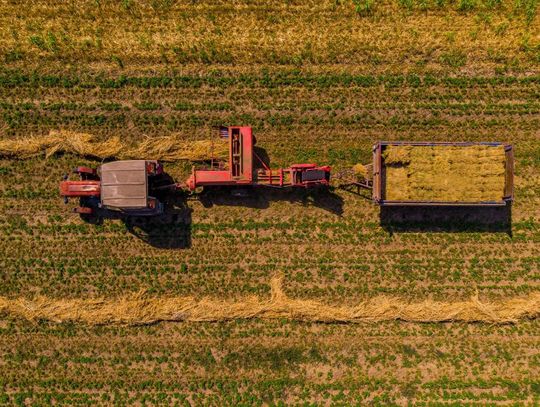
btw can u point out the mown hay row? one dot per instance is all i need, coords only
(140, 309)
(166, 148)
(444, 173)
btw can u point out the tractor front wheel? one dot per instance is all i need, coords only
(85, 173)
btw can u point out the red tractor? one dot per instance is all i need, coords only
(132, 187)
(122, 186)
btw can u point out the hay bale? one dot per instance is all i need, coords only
(360, 171)
(397, 155)
(445, 173)
(397, 184)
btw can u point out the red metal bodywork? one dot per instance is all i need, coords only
(80, 188)
(89, 172)
(241, 170)
(83, 210)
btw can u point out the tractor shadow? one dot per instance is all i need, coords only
(262, 197)
(488, 219)
(170, 230)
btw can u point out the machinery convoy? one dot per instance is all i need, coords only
(135, 187)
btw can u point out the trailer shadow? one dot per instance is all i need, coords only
(399, 219)
(261, 197)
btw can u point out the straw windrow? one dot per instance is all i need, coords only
(140, 309)
(165, 148)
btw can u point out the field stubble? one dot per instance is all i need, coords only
(472, 37)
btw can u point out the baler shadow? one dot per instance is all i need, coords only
(489, 219)
(262, 157)
(261, 198)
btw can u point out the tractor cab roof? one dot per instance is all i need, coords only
(124, 184)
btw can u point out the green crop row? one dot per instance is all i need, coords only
(448, 108)
(267, 79)
(221, 363)
(172, 122)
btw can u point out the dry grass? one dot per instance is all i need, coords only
(140, 309)
(60, 142)
(360, 171)
(445, 173)
(169, 148)
(166, 148)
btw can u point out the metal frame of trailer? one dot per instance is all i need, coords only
(379, 174)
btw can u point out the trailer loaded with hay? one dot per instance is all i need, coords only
(438, 173)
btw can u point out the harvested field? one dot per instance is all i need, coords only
(444, 173)
(318, 82)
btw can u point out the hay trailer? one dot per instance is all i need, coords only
(405, 173)
(246, 168)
